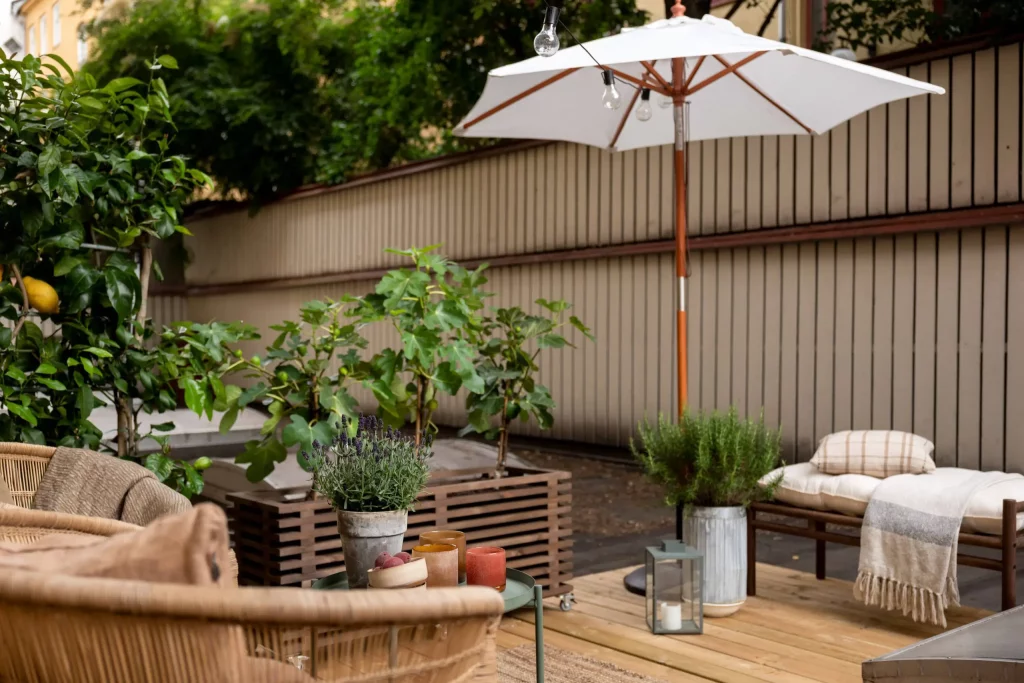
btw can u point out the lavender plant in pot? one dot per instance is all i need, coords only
(371, 475)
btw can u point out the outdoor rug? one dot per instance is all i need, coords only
(518, 666)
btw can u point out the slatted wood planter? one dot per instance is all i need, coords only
(281, 542)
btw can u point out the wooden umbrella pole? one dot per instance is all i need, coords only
(678, 100)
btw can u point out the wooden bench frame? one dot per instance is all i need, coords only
(1008, 542)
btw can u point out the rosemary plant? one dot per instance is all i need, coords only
(709, 460)
(377, 469)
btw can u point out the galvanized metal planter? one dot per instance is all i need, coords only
(720, 534)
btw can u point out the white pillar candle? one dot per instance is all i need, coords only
(671, 616)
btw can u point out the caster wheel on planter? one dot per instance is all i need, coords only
(568, 600)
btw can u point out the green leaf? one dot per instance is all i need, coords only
(301, 433)
(46, 369)
(551, 341)
(99, 353)
(91, 103)
(167, 61)
(52, 383)
(578, 324)
(121, 84)
(49, 159)
(159, 464)
(90, 368)
(261, 457)
(421, 344)
(163, 427)
(277, 411)
(121, 291)
(446, 379)
(401, 283)
(252, 394)
(447, 315)
(84, 401)
(16, 374)
(66, 265)
(22, 412)
(5, 337)
(195, 396)
(228, 420)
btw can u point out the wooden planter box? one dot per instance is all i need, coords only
(282, 542)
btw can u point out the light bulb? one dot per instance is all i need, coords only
(611, 98)
(664, 101)
(546, 42)
(644, 112)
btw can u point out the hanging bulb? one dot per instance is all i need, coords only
(664, 101)
(546, 42)
(611, 98)
(644, 112)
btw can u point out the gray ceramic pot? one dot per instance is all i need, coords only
(365, 535)
(721, 535)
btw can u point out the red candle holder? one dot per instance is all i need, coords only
(485, 566)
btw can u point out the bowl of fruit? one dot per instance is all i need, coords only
(398, 571)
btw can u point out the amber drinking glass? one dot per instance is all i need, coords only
(451, 537)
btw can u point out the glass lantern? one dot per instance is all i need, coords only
(675, 582)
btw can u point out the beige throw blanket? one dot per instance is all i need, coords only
(909, 543)
(81, 482)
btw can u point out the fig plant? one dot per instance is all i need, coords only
(508, 346)
(435, 309)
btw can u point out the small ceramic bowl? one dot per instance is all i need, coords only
(410, 575)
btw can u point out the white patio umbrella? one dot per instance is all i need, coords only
(734, 85)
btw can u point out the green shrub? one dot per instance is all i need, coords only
(375, 470)
(709, 460)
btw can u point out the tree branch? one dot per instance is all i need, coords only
(25, 304)
(145, 270)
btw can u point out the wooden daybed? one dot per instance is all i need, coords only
(1007, 541)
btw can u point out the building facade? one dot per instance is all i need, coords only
(12, 30)
(57, 27)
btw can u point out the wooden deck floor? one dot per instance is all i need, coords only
(796, 630)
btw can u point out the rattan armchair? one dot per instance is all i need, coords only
(18, 525)
(22, 466)
(72, 630)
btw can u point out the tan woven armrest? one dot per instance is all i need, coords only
(269, 606)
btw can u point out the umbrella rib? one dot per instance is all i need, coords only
(515, 98)
(625, 116)
(693, 74)
(760, 92)
(652, 71)
(724, 72)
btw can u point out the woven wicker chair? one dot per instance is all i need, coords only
(72, 630)
(18, 525)
(22, 467)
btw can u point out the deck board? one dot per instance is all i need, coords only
(797, 630)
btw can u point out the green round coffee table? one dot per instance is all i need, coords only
(521, 590)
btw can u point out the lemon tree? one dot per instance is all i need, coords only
(87, 185)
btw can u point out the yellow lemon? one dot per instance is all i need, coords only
(41, 296)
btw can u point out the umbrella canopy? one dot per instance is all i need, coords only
(734, 84)
(774, 89)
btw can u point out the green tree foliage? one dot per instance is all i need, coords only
(276, 94)
(255, 98)
(85, 164)
(871, 24)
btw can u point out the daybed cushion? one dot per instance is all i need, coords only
(805, 486)
(874, 452)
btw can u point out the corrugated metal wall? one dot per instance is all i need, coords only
(914, 331)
